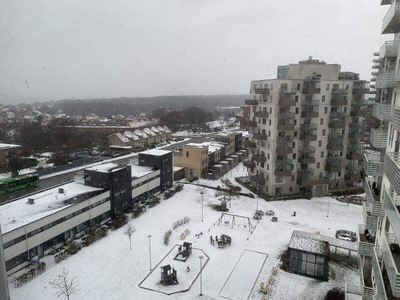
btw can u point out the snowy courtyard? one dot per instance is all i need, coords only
(107, 269)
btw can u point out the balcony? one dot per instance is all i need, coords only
(260, 136)
(391, 205)
(339, 101)
(338, 124)
(251, 102)
(396, 119)
(352, 291)
(308, 114)
(391, 259)
(283, 167)
(378, 138)
(352, 176)
(380, 286)
(259, 158)
(306, 149)
(354, 155)
(340, 91)
(333, 164)
(357, 112)
(391, 21)
(251, 124)
(389, 49)
(392, 170)
(283, 148)
(360, 88)
(285, 98)
(285, 126)
(310, 102)
(262, 91)
(306, 159)
(370, 221)
(311, 87)
(373, 164)
(335, 142)
(371, 196)
(383, 112)
(366, 243)
(257, 180)
(308, 136)
(388, 79)
(261, 114)
(357, 130)
(249, 144)
(248, 164)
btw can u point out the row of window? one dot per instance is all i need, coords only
(284, 86)
(145, 181)
(52, 224)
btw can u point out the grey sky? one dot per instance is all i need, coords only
(57, 49)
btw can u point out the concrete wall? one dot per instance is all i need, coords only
(4, 293)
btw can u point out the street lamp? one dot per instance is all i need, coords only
(202, 193)
(149, 236)
(201, 275)
(329, 203)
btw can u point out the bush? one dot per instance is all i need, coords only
(73, 248)
(180, 222)
(335, 294)
(168, 194)
(37, 269)
(119, 221)
(179, 188)
(167, 235)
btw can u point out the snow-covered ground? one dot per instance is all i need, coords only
(109, 270)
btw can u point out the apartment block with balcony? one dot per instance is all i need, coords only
(305, 129)
(379, 244)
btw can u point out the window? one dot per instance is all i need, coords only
(270, 110)
(187, 153)
(323, 98)
(295, 122)
(293, 177)
(298, 86)
(295, 133)
(325, 110)
(322, 154)
(268, 155)
(269, 133)
(296, 98)
(319, 143)
(267, 167)
(321, 121)
(294, 155)
(264, 121)
(297, 110)
(318, 165)
(323, 132)
(327, 87)
(269, 122)
(339, 173)
(272, 86)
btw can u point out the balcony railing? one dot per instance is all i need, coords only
(373, 164)
(383, 112)
(260, 136)
(308, 136)
(285, 126)
(389, 49)
(259, 158)
(390, 263)
(365, 244)
(371, 197)
(388, 79)
(310, 112)
(392, 170)
(310, 102)
(339, 100)
(391, 202)
(340, 91)
(370, 221)
(249, 164)
(250, 144)
(333, 164)
(251, 102)
(262, 91)
(380, 286)
(257, 180)
(306, 159)
(261, 114)
(283, 167)
(306, 149)
(352, 291)
(251, 124)
(283, 147)
(357, 112)
(391, 21)
(396, 119)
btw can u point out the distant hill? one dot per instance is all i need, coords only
(129, 106)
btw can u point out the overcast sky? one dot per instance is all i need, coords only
(58, 49)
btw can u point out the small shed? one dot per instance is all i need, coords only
(307, 256)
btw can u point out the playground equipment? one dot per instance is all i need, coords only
(168, 276)
(184, 252)
(269, 213)
(232, 219)
(224, 240)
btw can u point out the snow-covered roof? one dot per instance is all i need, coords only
(139, 171)
(106, 168)
(300, 241)
(166, 129)
(18, 213)
(155, 130)
(8, 146)
(131, 135)
(155, 152)
(149, 132)
(177, 168)
(196, 145)
(123, 138)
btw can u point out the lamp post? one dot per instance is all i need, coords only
(329, 203)
(149, 236)
(202, 193)
(201, 275)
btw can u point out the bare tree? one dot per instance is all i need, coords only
(64, 285)
(128, 231)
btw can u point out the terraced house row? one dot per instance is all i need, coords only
(305, 129)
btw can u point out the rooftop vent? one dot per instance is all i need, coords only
(60, 190)
(31, 201)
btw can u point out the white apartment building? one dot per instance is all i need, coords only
(305, 129)
(379, 245)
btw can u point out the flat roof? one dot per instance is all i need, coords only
(105, 168)
(156, 152)
(300, 242)
(139, 171)
(18, 213)
(178, 168)
(8, 146)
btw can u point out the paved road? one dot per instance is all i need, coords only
(52, 180)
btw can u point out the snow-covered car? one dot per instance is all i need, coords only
(269, 213)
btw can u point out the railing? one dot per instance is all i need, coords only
(389, 49)
(308, 102)
(373, 165)
(388, 79)
(383, 112)
(259, 158)
(307, 149)
(364, 247)
(286, 115)
(370, 221)
(309, 126)
(390, 202)
(250, 144)
(337, 115)
(249, 164)
(392, 169)
(380, 286)
(370, 194)
(390, 22)
(340, 91)
(288, 90)
(378, 138)
(251, 102)
(252, 124)
(260, 136)
(352, 291)
(390, 264)
(261, 114)
(396, 119)
(263, 91)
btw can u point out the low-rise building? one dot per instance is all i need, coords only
(6, 152)
(194, 158)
